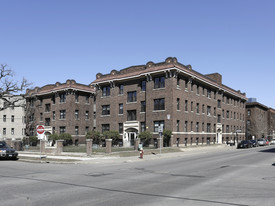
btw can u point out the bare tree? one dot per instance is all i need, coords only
(9, 87)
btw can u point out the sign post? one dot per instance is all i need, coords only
(40, 133)
(160, 135)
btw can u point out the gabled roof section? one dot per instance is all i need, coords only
(171, 63)
(52, 88)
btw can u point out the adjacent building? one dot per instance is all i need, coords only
(197, 108)
(260, 120)
(61, 108)
(12, 118)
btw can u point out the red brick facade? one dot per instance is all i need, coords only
(61, 108)
(197, 108)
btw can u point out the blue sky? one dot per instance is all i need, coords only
(48, 41)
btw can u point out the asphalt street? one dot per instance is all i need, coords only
(216, 177)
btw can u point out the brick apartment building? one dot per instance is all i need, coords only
(260, 120)
(197, 108)
(61, 108)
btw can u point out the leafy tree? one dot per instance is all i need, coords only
(145, 137)
(8, 87)
(166, 136)
(95, 135)
(114, 135)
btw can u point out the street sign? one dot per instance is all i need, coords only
(40, 129)
(160, 128)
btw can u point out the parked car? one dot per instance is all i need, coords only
(245, 144)
(6, 152)
(254, 143)
(261, 142)
(272, 141)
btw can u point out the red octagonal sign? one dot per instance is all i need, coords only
(40, 129)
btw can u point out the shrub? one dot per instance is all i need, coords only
(67, 138)
(166, 137)
(33, 140)
(114, 135)
(145, 137)
(95, 135)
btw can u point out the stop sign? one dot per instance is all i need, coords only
(40, 129)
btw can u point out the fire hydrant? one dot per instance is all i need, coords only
(141, 153)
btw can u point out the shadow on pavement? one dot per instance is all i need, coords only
(270, 150)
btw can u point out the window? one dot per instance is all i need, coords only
(185, 126)
(178, 104)
(202, 109)
(4, 118)
(76, 97)
(208, 127)
(198, 108)
(198, 90)
(227, 128)
(62, 98)
(159, 82)
(32, 103)
(178, 125)
(53, 99)
(219, 103)
(62, 130)
(131, 115)
(202, 126)
(12, 131)
(87, 115)
(143, 106)
(248, 112)
(158, 124)
(106, 91)
(191, 106)
(76, 114)
(192, 87)
(47, 121)
(208, 110)
(142, 126)
(4, 131)
(120, 128)
(191, 126)
(227, 114)
(219, 118)
(186, 105)
(105, 127)
(208, 93)
(132, 96)
(203, 91)
(86, 129)
(178, 82)
(186, 85)
(41, 116)
(12, 118)
(47, 107)
(106, 109)
(87, 99)
(120, 110)
(121, 88)
(53, 130)
(62, 114)
(215, 95)
(159, 104)
(76, 130)
(53, 115)
(197, 126)
(143, 85)
(248, 122)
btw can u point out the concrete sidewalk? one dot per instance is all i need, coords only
(82, 158)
